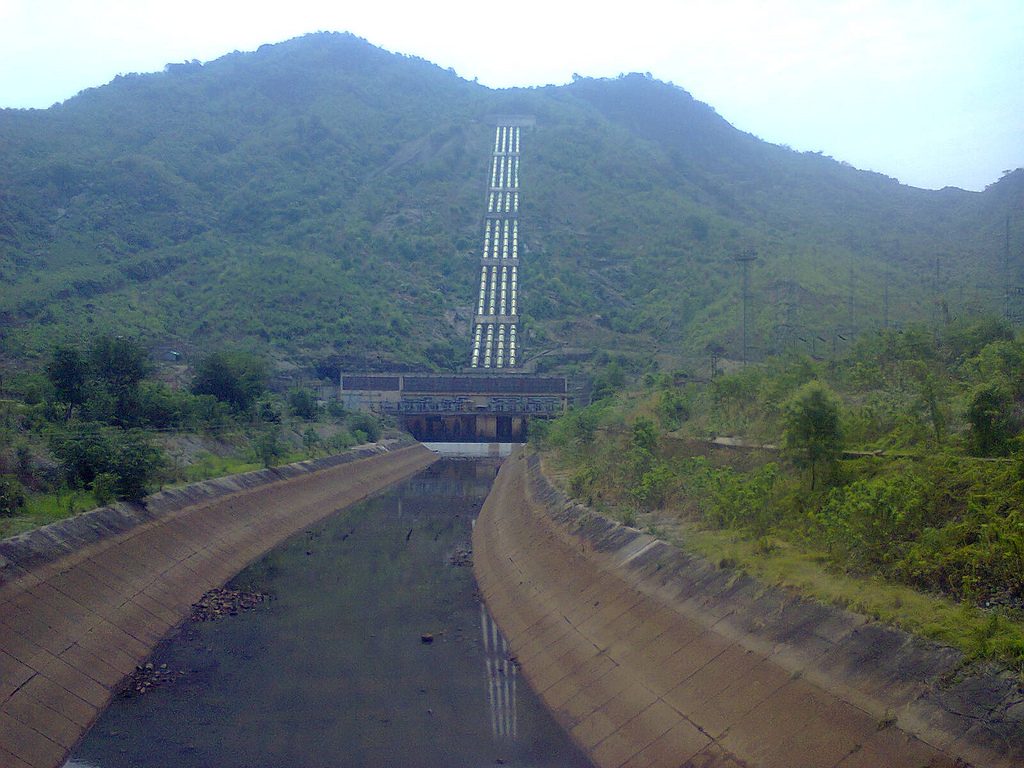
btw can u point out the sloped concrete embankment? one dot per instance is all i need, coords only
(651, 657)
(85, 600)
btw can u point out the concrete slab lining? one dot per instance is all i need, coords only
(649, 656)
(84, 600)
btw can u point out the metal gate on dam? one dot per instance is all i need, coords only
(492, 399)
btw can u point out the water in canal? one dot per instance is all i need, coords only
(333, 671)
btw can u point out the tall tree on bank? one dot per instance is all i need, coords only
(812, 436)
(236, 378)
(67, 372)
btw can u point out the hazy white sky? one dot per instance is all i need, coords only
(928, 91)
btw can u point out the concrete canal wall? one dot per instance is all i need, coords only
(83, 601)
(652, 657)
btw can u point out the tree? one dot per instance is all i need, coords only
(12, 496)
(236, 378)
(83, 450)
(645, 435)
(812, 435)
(118, 364)
(90, 452)
(268, 448)
(67, 372)
(310, 439)
(991, 420)
(930, 397)
(302, 403)
(608, 381)
(365, 425)
(134, 464)
(119, 361)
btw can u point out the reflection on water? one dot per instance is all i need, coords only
(334, 671)
(473, 450)
(501, 678)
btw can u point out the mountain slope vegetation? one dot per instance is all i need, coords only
(321, 200)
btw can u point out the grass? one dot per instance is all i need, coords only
(209, 465)
(45, 508)
(979, 634)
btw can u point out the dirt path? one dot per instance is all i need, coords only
(85, 604)
(650, 657)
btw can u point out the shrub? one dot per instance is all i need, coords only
(236, 378)
(302, 403)
(868, 524)
(90, 450)
(991, 418)
(162, 407)
(12, 496)
(367, 424)
(654, 486)
(744, 500)
(104, 488)
(310, 440)
(673, 408)
(135, 464)
(267, 446)
(268, 410)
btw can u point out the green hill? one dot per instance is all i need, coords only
(321, 200)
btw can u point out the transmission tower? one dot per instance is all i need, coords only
(745, 258)
(885, 305)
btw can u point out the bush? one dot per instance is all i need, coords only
(23, 462)
(868, 524)
(268, 447)
(673, 408)
(302, 404)
(976, 557)
(135, 464)
(991, 418)
(208, 413)
(367, 424)
(581, 481)
(538, 432)
(745, 500)
(310, 440)
(162, 407)
(12, 496)
(83, 451)
(90, 450)
(340, 442)
(268, 410)
(104, 488)
(236, 378)
(608, 382)
(654, 486)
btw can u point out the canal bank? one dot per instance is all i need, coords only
(651, 657)
(82, 602)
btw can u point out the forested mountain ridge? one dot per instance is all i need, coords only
(322, 199)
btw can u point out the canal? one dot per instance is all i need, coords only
(372, 649)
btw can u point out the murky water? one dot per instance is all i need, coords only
(333, 670)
